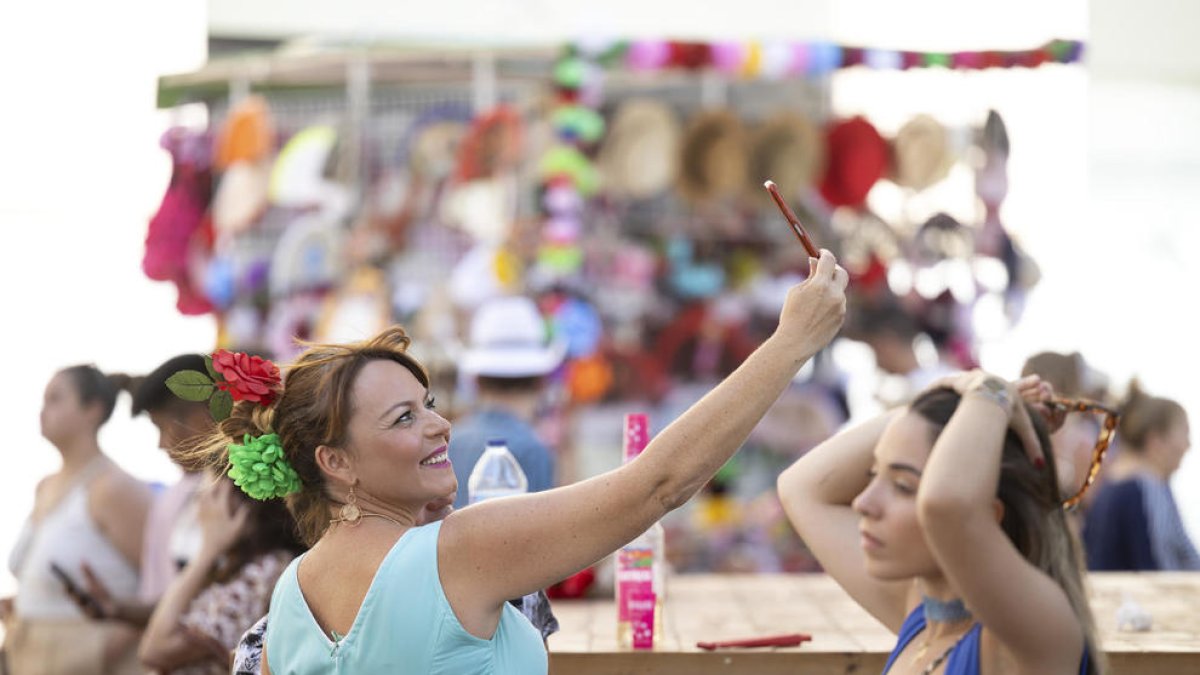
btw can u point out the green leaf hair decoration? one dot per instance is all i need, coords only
(260, 468)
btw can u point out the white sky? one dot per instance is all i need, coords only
(1102, 193)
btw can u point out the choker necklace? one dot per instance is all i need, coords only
(944, 611)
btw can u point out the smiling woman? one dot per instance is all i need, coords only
(379, 591)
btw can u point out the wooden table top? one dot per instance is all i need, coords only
(845, 638)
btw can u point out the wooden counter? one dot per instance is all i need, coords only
(845, 638)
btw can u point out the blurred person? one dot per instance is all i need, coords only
(906, 356)
(89, 511)
(225, 587)
(356, 426)
(1134, 522)
(172, 535)
(509, 357)
(962, 548)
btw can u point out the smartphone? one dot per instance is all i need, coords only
(786, 210)
(90, 605)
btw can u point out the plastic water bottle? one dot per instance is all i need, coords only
(641, 566)
(496, 474)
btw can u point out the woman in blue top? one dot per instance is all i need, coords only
(378, 594)
(1133, 524)
(962, 546)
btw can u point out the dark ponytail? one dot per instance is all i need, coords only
(93, 386)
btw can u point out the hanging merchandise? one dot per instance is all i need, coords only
(817, 59)
(857, 158)
(430, 147)
(291, 320)
(298, 178)
(241, 197)
(1020, 272)
(713, 157)
(307, 257)
(492, 146)
(566, 174)
(483, 208)
(483, 273)
(180, 237)
(640, 155)
(359, 308)
(788, 149)
(247, 135)
(922, 153)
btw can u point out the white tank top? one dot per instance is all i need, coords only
(68, 537)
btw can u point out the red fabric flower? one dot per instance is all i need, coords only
(247, 378)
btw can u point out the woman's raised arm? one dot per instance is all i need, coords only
(506, 548)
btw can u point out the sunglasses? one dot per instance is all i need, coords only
(1108, 429)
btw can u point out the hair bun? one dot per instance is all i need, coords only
(1134, 395)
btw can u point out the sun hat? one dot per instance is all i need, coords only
(788, 149)
(640, 156)
(713, 157)
(509, 338)
(922, 153)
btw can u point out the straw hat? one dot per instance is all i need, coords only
(788, 149)
(922, 153)
(640, 157)
(713, 156)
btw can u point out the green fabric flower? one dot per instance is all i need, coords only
(260, 468)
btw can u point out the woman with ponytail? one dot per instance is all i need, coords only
(944, 520)
(90, 511)
(1134, 523)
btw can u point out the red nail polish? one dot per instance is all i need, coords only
(1039, 463)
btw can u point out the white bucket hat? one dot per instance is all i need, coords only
(509, 339)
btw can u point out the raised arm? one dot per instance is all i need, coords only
(1025, 609)
(507, 548)
(817, 492)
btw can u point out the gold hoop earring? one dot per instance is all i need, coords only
(350, 513)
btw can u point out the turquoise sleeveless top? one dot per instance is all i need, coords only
(964, 659)
(405, 625)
